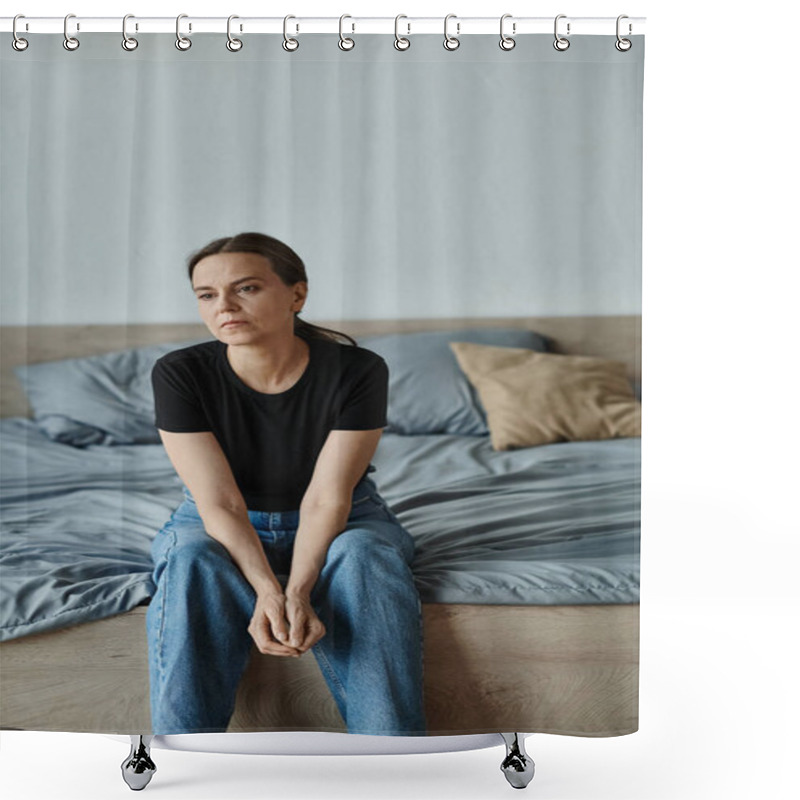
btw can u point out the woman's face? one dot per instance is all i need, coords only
(242, 301)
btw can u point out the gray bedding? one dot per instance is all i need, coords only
(550, 525)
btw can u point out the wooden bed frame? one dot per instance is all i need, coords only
(547, 669)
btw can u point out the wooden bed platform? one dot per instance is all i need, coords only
(549, 669)
(573, 669)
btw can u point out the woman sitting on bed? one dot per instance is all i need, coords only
(271, 427)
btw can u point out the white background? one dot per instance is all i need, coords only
(719, 696)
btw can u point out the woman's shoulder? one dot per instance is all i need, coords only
(193, 355)
(348, 354)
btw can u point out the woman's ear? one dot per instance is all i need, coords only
(300, 294)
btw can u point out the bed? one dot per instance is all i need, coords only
(527, 558)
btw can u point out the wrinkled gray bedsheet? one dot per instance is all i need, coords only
(550, 525)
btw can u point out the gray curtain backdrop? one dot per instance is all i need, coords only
(417, 184)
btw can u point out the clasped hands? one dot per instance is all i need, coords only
(285, 624)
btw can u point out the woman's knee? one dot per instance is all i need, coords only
(354, 543)
(199, 548)
(200, 577)
(365, 569)
(371, 548)
(191, 552)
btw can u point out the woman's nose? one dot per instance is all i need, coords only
(227, 302)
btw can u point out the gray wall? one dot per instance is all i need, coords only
(420, 184)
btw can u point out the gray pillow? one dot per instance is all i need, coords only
(104, 399)
(428, 392)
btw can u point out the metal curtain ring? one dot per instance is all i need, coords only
(400, 43)
(289, 44)
(345, 43)
(181, 42)
(233, 44)
(507, 42)
(560, 43)
(70, 42)
(623, 45)
(128, 42)
(18, 43)
(451, 42)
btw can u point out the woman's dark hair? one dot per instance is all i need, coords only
(285, 263)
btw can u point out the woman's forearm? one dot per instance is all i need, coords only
(237, 534)
(319, 525)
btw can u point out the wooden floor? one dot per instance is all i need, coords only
(549, 669)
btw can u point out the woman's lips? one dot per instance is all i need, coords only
(233, 323)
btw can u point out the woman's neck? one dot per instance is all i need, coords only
(270, 368)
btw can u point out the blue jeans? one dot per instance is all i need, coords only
(371, 653)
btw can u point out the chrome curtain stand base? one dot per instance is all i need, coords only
(517, 766)
(138, 768)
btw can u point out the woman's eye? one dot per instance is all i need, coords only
(248, 288)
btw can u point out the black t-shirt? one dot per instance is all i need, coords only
(271, 441)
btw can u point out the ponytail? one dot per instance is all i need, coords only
(307, 330)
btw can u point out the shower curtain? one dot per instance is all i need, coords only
(471, 215)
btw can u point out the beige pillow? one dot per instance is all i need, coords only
(535, 398)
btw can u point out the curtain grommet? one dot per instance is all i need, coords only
(400, 42)
(507, 42)
(345, 42)
(623, 45)
(561, 43)
(233, 44)
(129, 43)
(17, 42)
(183, 43)
(70, 42)
(451, 42)
(289, 44)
